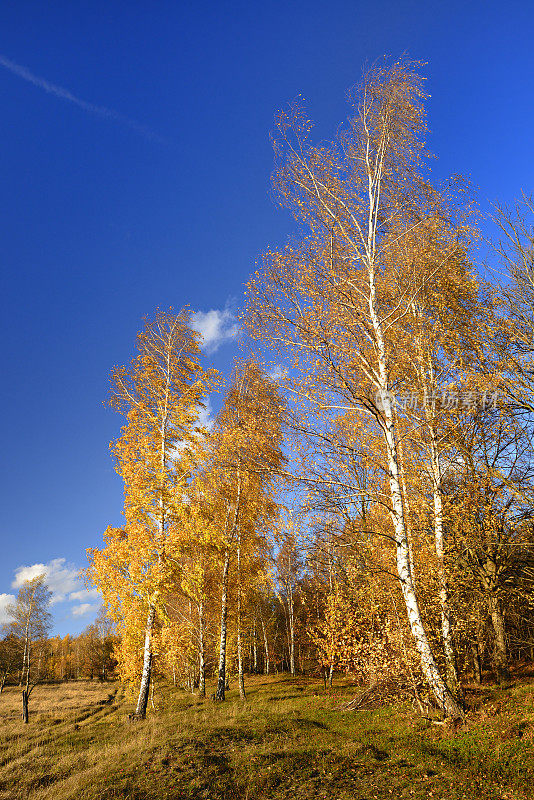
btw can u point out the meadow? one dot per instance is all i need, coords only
(290, 739)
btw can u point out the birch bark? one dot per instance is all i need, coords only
(447, 701)
(266, 646)
(142, 700)
(221, 680)
(241, 679)
(201, 653)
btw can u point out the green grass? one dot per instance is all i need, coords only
(288, 740)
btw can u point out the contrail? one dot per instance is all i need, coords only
(64, 94)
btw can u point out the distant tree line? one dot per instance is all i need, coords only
(28, 656)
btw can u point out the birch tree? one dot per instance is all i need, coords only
(195, 565)
(446, 322)
(288, 569)
(161, 393)
(238, 483)
(331, 302)
(31, 623)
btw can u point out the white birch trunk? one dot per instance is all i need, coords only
(330, 676)
(430, 670)
(429, 667)
(26, 691)
(201, 653)
(428, 379)
(266, 646)
(26, 664)
(221, 681)
(142, 701)
(446, 616)
(241, 679)
(291, 616)
(254, 648)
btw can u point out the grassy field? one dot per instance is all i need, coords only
(289, 740)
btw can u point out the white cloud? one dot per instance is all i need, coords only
(5, 600)
(61, 578)
(85, 594)
(84, 608)
(215, 327)
(23, 574)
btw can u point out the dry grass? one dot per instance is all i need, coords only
(289, 740)
(57, 713)
(63, 697)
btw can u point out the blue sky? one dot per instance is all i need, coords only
(135, 167)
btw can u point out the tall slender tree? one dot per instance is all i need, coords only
(288, 567)
(332, 303)
(161, 393)
(31, 623)
(238, 483)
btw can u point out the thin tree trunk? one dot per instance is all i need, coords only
(330, 676)
(25, 710)
(428, 380)
(288, 634)
(26, 691)
(445, 698)
(292, 641)
(266, 647)
(451, 707)
(477, 667)
(27, 644)
(241, 678)
(406, 501)
(142, 701)
(26, 697)
(201, 654)
(291, 618)
(255, 648)
(221, 681)
(103, 658)
(446, 615)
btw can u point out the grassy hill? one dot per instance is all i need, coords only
(289, 740)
